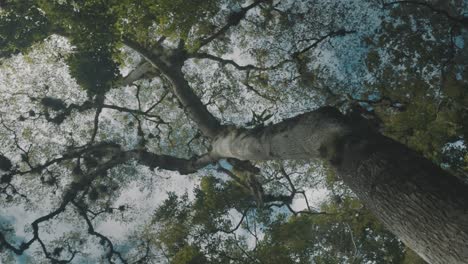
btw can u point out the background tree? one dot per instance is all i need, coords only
(114, 95)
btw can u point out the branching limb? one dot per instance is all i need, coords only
(143, 71)
(233, 20)
(170, 67)
(317, 41)
(134, 111)
(69, 195)
(203, 55)
(104, 240)
(294, 191)
(183, 166)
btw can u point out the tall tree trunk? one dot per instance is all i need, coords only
(426, 207)
(423, 205)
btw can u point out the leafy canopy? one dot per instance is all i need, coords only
(71, 126)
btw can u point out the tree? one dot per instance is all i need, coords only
(164, 46)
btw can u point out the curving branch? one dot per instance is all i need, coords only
(233, 20)
(69, 195)
(104, 240)
(203, 55)
(171, 67)
(317, 41)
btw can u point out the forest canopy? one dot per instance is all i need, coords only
(119, 121)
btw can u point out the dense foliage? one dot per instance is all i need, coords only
(72, 123)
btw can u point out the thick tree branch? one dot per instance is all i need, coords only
(143, 71)
(280, 141)
(208, 124)
(170, 67)
(183, 166)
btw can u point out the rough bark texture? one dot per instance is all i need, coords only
(423, 205)
(420, 203)
(300, 137)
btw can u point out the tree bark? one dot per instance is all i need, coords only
(426, 207)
